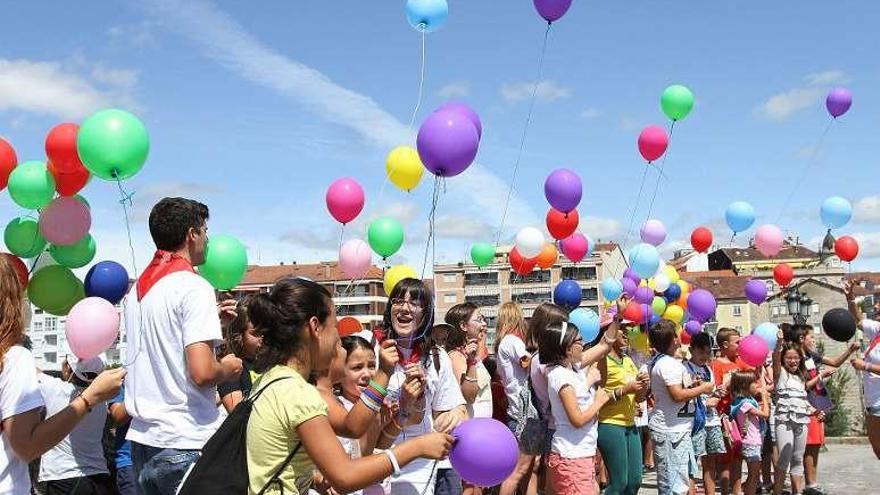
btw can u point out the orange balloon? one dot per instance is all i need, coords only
(548, 256)
(348, 326)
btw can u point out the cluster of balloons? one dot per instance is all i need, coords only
(677, 101)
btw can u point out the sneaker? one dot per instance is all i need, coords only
(813, 490)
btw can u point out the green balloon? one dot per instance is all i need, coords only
(55, 289)
(113, 144)
(482, 253)
(76, 255)
(225, 262)
(82, 200)
(23, 238)
(385, 236)
(677, 102)
(658, 305)
(31, 185)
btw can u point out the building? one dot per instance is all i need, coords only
(49, 341)
(497, 283)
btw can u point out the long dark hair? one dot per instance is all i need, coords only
(11, 309)
(545, 315)
(234, 332)
(281, 315)
(456, 316)
(554, 341)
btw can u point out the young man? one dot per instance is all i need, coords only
(173, 329)
(730, 463)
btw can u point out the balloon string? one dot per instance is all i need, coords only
(662, 164)
(412, 119)
(125, 201)
(811, 160)
(522, 142)
(429, 244)
(632, 215)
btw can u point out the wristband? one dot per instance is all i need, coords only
(379, 388)
(471, 362)
(394, 464)
(469, 379)
(86, 402)
(609, 341)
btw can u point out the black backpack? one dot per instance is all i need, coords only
(222, 467)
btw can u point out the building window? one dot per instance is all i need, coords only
(481, 278)
(51, 339)
(449, 298)
(579, 272)
(449, 278)
(532, 278)
(589, 294)
(532, 297)
(37, 326)
(774, 310)
(484, 300)
(815, 310)
(737, 310)
(51, 324)
(50, 357)
(491, 321)
(739, 328)
(353, 309)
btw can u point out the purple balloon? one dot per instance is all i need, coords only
(447, 143)
(756, 291)
(464, 109)
(693, 327)
(647, 313)
(838, 101)
(701, 305)
(552, 10)
(629, 286)
(644, 295)
(485, 451)
(631, 274)
(563, 190)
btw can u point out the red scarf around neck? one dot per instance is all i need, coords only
(163, 263)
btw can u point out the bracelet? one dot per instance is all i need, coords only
(394, 464)
(370, 403)
(469, 379)
(86, 402)
(609, 341)
(379, 388)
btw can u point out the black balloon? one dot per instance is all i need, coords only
(839, 324)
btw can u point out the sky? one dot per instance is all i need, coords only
(255, 108)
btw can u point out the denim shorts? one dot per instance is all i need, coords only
(751, 453)
(708, 441)
(674, 460)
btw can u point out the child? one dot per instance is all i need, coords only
(709, 440)
(243, 340)
(574, 404)
(730, 463)
(748, 415)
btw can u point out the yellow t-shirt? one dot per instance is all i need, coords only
(622, 412)
(271, 430)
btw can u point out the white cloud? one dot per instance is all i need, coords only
(826, 78)
(122, 78)
(140, 34)
(145, 198)
(455, 90)
(781, 106)
(463, 227)
(546, 91)
(867, 210)
(591, 113)
(600, 228)
(869, 244)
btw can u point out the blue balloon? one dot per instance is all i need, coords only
(835, 212)
(567, 294)
(107, 280)
(672, 293)
(767, 332)
(654, 318)
(740, 216)
(644, 260)
(612, 289)
(426, 15)
(587, 322)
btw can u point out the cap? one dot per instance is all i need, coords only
(86, 370)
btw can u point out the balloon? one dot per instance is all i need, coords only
(658, 305)
(348, 326)
(756, 291)
(653, 232)
(567, 294)
(225, 262)
(519, 264)
(839, 324)
(397, 273)
(611, 289)
(8, 161)
(661, 282)
(783, 274)
(672, 274)
(575, 247)
(20, 268)
(835, 212)
(693, 327)
(561, 225)
(685, 289)
(672, 293)
(633, 312)
(644, 295)
(630, 274)
(838, 101)
(530, 242)
(385, 236)
(677, 101)
(653, 142)
(548, 256)
(563, 189)
(107, 280)
(426, 15)
(31, 185)
(639, 340)
(76, 255)
(552, 10)
(482, 254)
(92, 327)
(23, 238)
(629, 286)
(69, 183)
(65, 221)
(740, 216)
(701, 239)
(644, 260)
(345, 199)
(846, 248)
(113, 144)
(768, 333)
(587, 322)
(701, 305)
(769, 240)
(485, 451)
(753, 350)
(447, 143)
(61, 147)
(684, 337)
(54, 289)
(464, 109)
(354, 258)
(673, 313)
(404, 168)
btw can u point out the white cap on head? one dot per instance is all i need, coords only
(86, 370)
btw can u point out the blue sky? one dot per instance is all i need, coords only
(256, 108)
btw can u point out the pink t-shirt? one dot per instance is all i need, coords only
(753, 429)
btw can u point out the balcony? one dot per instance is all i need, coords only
(481, 278)
(537, 277)
(579, 273)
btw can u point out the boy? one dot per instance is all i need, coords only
(730, 463)
(709, 440)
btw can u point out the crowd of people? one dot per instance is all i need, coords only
(375, 412)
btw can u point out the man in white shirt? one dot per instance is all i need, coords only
(173, 330)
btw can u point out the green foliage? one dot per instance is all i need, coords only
(837, 422)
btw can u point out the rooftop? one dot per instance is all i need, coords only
(723, 284)
(750, 254)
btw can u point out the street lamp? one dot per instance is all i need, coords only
(800, 306)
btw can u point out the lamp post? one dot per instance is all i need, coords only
(800, 306)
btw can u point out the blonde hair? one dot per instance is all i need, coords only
(510, 322)
(11, 313)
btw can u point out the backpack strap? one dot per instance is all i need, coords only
(262, 389)
(275, 477)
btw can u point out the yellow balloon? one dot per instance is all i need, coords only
(672, 273)
(404, 167)
(685, 288)
(397, 273)
(673, 313)
(639, 342)
(651, 284)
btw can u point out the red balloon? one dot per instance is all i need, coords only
(69, 183)
(61, 147)
(633, 312)
(653, 142)
(19, 266)
(348, 326)
(685, 338)
(562, 225)
(846, 248)
(701, 239)
(8, 161)
(783, 274)
(520, 265)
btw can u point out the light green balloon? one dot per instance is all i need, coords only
(658, 305)
(482, 254)
(76, 255)
(23, 238)
(225, 262)
(31, 185)
(55, 289)
(385, 236)
(113, 144)
(677, 101)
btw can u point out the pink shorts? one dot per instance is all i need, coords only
(572, 476)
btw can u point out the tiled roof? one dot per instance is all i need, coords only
(319, 272)
(746, 254)
(723, 284)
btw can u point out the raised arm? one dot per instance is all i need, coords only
(777, 354)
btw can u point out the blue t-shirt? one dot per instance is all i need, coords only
(123, 446)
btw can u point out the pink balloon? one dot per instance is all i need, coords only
(768, 240)
(354, 258)
(653, 142)
(575, 247)
(91, 328)
(753, 350)
(65, 221)
(345, 199)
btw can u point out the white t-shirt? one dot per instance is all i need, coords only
(538, 374)
(19, 393)
(511, 350)
(712, 416)
(81, 452)
(482, 406)
(871, 381)
(570, 442)
(167, 408)
(669, 416)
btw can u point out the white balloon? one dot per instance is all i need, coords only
(661, 270)
(529, 242)
(661, 282)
